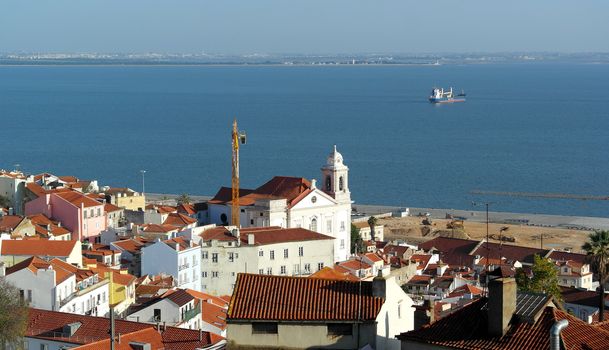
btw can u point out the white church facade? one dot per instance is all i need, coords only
(296, 202)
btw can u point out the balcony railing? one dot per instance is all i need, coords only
(183, 267)
(191, 313)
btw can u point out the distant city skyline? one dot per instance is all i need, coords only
(303, 27)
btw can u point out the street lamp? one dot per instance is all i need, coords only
(143, 183)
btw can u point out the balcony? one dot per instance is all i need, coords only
(183, 267)
(191, 313)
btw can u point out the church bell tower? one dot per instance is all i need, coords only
(335, 178)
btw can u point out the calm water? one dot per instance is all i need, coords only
(525, 127)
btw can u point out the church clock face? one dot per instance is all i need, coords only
(313, 199)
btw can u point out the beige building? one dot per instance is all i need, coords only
(125, 198)
(274, 312)
(366, 233)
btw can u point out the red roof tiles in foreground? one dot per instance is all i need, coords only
(281, 298)
(38, 247)
(467, 329)
(44, 324)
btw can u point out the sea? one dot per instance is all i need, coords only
(526, 127)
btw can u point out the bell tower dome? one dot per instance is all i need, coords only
(335, 178)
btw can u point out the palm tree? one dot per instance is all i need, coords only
(597, 249)
(372, 221)
(184, 198)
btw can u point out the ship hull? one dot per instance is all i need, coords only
(445, 100)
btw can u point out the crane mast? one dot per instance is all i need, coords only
(237, 138)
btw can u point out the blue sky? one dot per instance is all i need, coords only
(311, 26)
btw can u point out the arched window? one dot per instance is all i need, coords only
(224, 219)
(313, 226)
(328, 183)
(340, 183)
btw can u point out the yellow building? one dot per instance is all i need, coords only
(125, 198)
(122, 285)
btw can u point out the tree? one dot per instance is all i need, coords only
(356, 240)
(184, 198)
(13, 315)
(372, 221)
(544, 278)
(4, 202)
(597, 249)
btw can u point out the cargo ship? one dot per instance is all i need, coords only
(438, 95)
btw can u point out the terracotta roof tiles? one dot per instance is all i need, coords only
(282, 298)
(38, 247)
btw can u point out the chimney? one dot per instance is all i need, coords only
(313, 184)
(251, 239)
(555, 340)
(200, 335)
(379, 286)
(237, 234)
(501, 304)
(119, 338)
(2, 269)
(431, 305)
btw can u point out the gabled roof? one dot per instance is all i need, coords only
(43, 324)
(161, 209)
(213, 309)
(35, 263)
(109, 207)
(264, 235)
(10, 222)
(576, 296)
(46, 227)
(289, 188)
(159, 228)
(130, 245)
(334, 274)
(148, 336)
(38, 247)
(183, 243)
(179, 220)
(282, 298)
(187, 209)
(179, 297)
(465, 289)
(77, 199)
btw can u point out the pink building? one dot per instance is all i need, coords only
(82, 215)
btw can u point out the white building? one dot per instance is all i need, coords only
(574, 274)
(265, 250)
(176, 308)
(59, 286)
(274, 312)
(177, 257)
(296, 202)
(12, 186)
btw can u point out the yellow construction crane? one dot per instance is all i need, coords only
(237, 138)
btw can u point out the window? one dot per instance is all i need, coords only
(29, 295)
(204, 274)
(261, 253)
(251, 221)
(329, 226)
(283, 270)
(204, 255)
(214, 274)
(243, 210)
(313, 226)
(399, 310)
(272, 254)
(328, 183)
(342, 226)
(214, 257)
(340, 183)
(296, 269)
(194, 260)
(285, 253)
(231, 257)
(44, 347)
(261, 271)
(338, 329)
(157, 315)
(307, 268)
(269, 270)
(85, 214)
(342, 244)
(300, 251)
(98, 211)
(264, 328)
(194, 275)
(320, 266)
(91, 213)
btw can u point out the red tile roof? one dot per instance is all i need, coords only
(109, 207)
(264, 235)
(130, 245)
(38, 247)
(161, 209)
(264, 297)
(77, 199)
(159, 228)
(576, 296)
(213, 309)
(9, 222)
(334, 274)
(44, 324)
(187, 209)
(179, 220)
(290, 188)
(35, 263)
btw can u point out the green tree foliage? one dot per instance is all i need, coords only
(356, 240)
(544, 278)
(4, 202)
(372, 221)
(13, 315)
(184, 198)
(597, 249)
